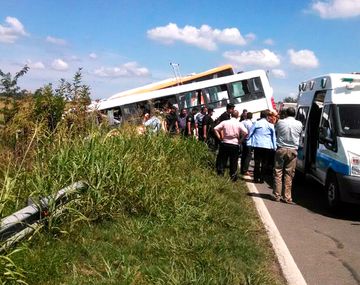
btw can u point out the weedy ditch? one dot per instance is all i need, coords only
(154, 212)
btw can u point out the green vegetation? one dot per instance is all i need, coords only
(154, 212)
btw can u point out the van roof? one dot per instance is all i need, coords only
(330, 81)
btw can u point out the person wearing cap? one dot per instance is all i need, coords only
(229, 132)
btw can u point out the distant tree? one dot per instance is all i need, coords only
(10, 92)
(8, 84)
(290, 100)
(49, 106)
(75, 91)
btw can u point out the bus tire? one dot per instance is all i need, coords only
(332, 192)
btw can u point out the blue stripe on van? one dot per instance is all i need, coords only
(324, 162)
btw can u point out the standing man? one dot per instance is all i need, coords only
(151, 122)
(288, 133)
(263, 140)
(227, 114)
(182, 121)
(228, 132)
(199, 123)
(208, 130)
(230, 107)
(246, 149)
(171, 121)
(190, 122)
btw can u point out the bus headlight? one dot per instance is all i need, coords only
(354, 164)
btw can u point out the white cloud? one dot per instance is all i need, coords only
(332, 9)
(204, 37)
(265, 57)
(130, 69)
(35, 65)
(303, 58)
(11, 31)
(93, 55)
(269, 42)
(56, 41)
(278, 73)
(59, 64)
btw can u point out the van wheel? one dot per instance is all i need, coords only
(332, 192)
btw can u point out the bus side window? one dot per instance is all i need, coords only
(239, 91)
(256, 88)
(217, 96)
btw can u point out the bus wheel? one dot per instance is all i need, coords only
(332, 192)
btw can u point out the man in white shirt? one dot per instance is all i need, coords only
(228, 132)
(288, 133)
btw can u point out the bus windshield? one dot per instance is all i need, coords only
(349, 120)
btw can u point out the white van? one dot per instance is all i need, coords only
(329, 108)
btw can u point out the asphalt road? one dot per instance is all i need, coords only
(325, 246)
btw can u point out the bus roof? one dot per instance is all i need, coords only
(170, 82)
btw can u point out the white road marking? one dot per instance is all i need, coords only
(288, 266)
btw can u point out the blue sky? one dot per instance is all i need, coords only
(125, 44)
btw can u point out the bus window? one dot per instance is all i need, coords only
(246, 90)
(217, 96)
(239, 91)
(188, 99)
(165, 102)
(129, 110)
(256, 88)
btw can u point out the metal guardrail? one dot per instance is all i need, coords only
(25, 221)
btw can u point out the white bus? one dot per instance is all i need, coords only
(248, 90)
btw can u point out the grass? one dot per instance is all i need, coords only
(154, 213)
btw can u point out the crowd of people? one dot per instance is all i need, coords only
(272, 141)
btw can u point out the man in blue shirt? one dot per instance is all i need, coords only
(262, 138)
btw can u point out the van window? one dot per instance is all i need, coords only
(349, 120)
(327, 123)
(302, 115)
